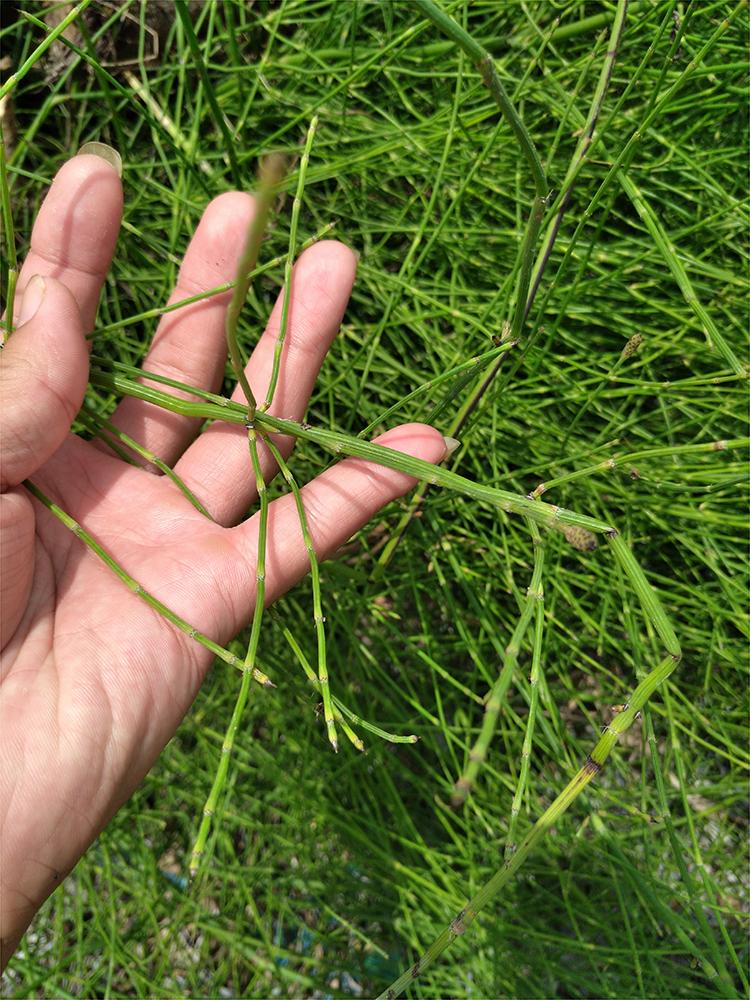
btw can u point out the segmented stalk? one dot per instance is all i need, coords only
(313, 679)
(296, 205)
(478, 753)
(39, 51)
(110, 434)
(339, 708)
(247, 667)
(528, 736)
(614, 463)
(270, 174)
(320, 631)
(90, 542)
(588, 771)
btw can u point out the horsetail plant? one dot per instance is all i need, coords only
(496, 696)
(319, 618)
(580, 530)
(287, 293)
(248, 666)
(534, 684)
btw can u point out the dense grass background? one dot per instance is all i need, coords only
(329, 874)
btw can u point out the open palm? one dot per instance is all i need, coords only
(95, 682)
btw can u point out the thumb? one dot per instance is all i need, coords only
(43, 376)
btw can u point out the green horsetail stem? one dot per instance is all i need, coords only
(287, 295)
(528, 736)
(587, 772)
(318, 616)
(544, 514)
(530, 272)
(607, 464)
(270, 175)
(132, 584)
(110, 435)
(248, 666)
(339, 708)
(478, 753)
(212, 407)
(313, 679)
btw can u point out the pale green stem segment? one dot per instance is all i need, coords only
(296, 205)
(582, 150)
(10, 241)
(528, 737)
(496, 697)
(90, 542)
(545, 514)
(319, 618)
(567, 796)
(270, 174)
(614, 463)
(227, 286)
(110, 434)
(486, 66)
(248, 666)
(339, 709)
(313, 679)
(39, 51)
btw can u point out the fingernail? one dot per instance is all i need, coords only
(105, 152)
(32, 299)
(450, 446)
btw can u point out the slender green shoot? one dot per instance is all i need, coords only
(287, 295)
(496, 696)
(107, 432)
(318, 616)
(132, 584)
(270, 174)
(214, 796)
(535, 677)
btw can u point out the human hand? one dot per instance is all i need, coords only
(93, 681)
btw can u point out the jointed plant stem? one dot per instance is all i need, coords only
(319, 618)
(39, 51)
(90, 542)
(270, 175)
(549, 817)
(296, 205)
(107, 432)
(494, 702)
(247, 667)
(534, 683)
(486, 66)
